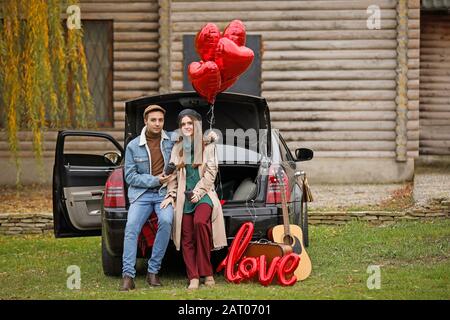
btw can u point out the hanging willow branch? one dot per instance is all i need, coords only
(80, 99)
(43, 78)
(37, 89)
(57, 47)
(2, 65)
(2, 61)
(11, 84)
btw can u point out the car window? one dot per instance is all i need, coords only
(285, 151)
(280, 149)
(88, 151)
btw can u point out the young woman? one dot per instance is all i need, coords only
(198, 225)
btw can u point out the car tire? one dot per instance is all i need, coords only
(112, 265)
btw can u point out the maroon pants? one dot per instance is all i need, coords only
(196, 242)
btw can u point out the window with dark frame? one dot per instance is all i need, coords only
(98, 44)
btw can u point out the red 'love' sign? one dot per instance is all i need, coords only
(248, 267)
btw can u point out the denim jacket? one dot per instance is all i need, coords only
(138, 167)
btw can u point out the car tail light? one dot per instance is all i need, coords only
(114, 190)
(275, 185)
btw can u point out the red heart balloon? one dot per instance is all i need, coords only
(205, 78)
(235, 31)
(227, 84)
(228, 58)
(232, 59)
(206, 41)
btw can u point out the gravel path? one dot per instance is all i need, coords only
(345, 196)
(430, 185)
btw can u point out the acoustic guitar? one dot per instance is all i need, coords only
(291, 234)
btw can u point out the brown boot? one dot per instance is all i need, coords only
(127, 284)
(153, 279)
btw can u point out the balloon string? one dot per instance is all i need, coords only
(211, 119)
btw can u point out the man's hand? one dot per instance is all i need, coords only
(163, 178)
(166, 202)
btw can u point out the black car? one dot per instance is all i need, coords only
(90, 193)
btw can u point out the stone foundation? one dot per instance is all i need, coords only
(38, 223)
(25, 223)
(442, 210)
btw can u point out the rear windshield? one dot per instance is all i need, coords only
(227, 154)
(239, 146)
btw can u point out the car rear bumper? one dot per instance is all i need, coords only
(113, 224)
(263, 217)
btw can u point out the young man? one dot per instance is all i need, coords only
(145, 159)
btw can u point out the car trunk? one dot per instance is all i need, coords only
(231, 111)
(237, 183)
(239, 160)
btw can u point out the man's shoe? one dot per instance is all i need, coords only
(153, 279)
(127, 284)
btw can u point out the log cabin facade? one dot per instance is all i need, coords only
(346, 90)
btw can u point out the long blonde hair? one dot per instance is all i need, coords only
(197, 131)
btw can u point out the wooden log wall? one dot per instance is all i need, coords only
(329, 80)
(413, 77)
(435, 85)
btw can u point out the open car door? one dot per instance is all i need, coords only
(83, 162)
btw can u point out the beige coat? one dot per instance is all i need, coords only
(176, 187)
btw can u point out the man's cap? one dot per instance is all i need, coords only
(153, 107)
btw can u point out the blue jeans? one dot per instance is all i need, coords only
(138, 213)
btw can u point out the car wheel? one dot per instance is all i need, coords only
(112, 265)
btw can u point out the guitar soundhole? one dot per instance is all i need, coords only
(294, 242)
(288, 239)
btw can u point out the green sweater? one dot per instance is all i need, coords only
(192, 177)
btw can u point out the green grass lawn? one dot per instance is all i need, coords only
(414, 259)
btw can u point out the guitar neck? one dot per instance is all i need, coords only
(284, 209)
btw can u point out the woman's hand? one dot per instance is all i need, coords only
(166, 202)
(195, 198)
(211, 137)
